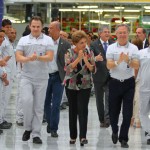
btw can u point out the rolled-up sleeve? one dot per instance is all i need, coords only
(109, 54)
(135, 54)
(50, 45)
(20, 46)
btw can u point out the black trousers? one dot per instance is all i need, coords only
(78, 106)
(121, 94)
(102, 104)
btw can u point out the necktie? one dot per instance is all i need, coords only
(55, 42)
(105, 46)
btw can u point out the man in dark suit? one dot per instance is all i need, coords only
(141, 34)
(56, 76)
(101, 77)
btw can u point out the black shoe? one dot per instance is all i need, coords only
(26, 136)
(44, 121)
(19, 123)
(115, 138)
(48, 129)
(5, 122)
(66, 103)
(124, 144)
(107, 124)
(146, 133)
(5, 125)
(72, 141)
(54, 134)
(102, 125)
(148, 142)
(1, 131)
(37, 140)
(84, 141)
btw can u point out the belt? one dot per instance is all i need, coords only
(54, 73)
(122, 80)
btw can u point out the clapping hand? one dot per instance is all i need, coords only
(2, 63)
(121, 58)
(99, 57)
(4, 79)
(33, 57)
(80, 55)
(126, 57)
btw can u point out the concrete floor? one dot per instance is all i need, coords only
(99, 138)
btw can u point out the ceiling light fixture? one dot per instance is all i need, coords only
(132, 10)
(119, 8)
(87, 6)
(147, 7)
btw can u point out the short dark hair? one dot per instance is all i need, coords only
(37, 18)
(6, 22)
(144, 31)
(2, 30)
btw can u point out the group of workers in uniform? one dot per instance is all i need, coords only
(42, 73)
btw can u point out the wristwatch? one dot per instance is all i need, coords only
(116, 63)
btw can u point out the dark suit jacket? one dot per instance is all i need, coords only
(62, 49)
(102, 74)
(146, 43)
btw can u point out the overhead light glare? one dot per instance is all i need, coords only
(87, 6)
(133, 10)
(65, 9)
(146, 23)
(80, 10)
(120, 8)
(98, 21)
(147, 7)
(96, 10)
(111, 10)
(147, 10)
(118, 21)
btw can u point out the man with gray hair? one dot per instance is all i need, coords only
(122, 59)
(101, 77)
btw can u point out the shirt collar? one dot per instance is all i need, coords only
(57, 41)
(126, 46)
(32, 37)
(144, 42)
(103, 41)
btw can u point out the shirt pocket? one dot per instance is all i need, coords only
(40, 50)
(116, 56)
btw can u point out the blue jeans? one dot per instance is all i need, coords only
(53, 99)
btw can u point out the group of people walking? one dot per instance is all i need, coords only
(49, 64)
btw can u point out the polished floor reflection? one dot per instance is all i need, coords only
(99, 138)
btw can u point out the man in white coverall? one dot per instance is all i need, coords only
(34, 51)
(7, 50)
(144, 90)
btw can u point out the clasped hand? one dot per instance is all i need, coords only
(3, 62)
(123, 57)
(83, 55)
(99, 57)
(33, 57)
